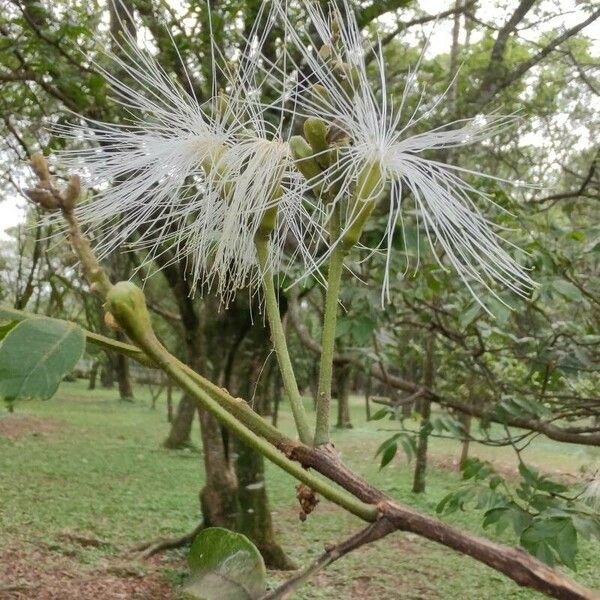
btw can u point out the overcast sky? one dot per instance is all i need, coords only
(12, 209)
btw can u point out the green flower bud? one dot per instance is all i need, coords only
(126, 302)
(315, 132)
(303, 155)
(322, 97)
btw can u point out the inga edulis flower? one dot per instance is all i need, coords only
(334, 85)
(184, 179)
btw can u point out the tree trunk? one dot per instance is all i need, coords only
(124, 378)
(181, 425)
(368, 398)
(343, 381)
(464, 451)
(425, 410)
(255, 514)
(93, 375)
(221, 499)
(218, 497)
(107, 373)
(169, 401)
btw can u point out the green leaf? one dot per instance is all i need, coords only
(552, 540)
(529, 474)
(500, 311)
(380, 414)
(35, 355)
(567, 289)
(388, 454)
(587, 525)
(362, 328)
(225, 566)
(342, 327)
(5, 328)
(469, 315)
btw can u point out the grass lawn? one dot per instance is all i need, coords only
(83, 478)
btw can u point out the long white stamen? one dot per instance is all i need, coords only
(444, 201)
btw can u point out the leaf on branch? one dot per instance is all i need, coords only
(35, 355)
(6, 327)
(381, 413)
(552, 540)
(225, 566)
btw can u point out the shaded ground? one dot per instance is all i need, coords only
(83, 479)
(56, 573)
(13, 426)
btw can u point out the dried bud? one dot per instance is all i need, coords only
(43, 198)
(307, 498)
(325, 51)
(71, 194)
(110, 321)
(337, 135)
(40, 166)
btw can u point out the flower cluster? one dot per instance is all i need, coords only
(182, 179)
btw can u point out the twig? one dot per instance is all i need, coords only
(150, 548)
(372, 533)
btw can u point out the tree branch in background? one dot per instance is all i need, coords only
(370, 534)
(551, 431)
(579, 191)
(378, 8)
(492, 83)
(402, 26)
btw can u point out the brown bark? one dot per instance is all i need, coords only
(255, 521)
(181, 426)
(107, 373)
(516, 564)
(169, 401)
(419, 478)
(218, 497)
(255, 512)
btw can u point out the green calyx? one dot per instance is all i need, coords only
(268, 221)
(369, 186)
(369, 183)
(322, 97)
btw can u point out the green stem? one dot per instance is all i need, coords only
(279, 342)
(334, 278)
(126, 303)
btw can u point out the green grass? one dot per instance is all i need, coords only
(102, 472)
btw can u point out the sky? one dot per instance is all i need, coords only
(12, 209)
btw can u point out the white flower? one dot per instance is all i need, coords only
(378, 129)
(188, 179)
